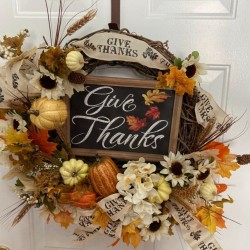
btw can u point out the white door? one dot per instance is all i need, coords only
(219, 30)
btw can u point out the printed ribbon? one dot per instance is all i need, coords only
(116, 208)
(13, 77)
(193, 232)
(110, 46)
(207, 109)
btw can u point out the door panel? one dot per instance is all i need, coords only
(219, 30)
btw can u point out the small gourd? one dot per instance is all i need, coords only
(73, 171)
(74, 60)
(48, 114)
(208, 191)
(103, 176)
(163, 191)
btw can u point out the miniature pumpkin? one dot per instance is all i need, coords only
(73, 171)
(48, 114)
(208, 191)
(102, 176)
(74, 60)
(163, 191)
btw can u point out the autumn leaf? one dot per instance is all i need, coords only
(64, 219)
(224, 168)
(100, 218)
(153, 113)
(17, 142)
(40, 138)
(135, 123)
(131, 234)
(221, 203)
(211, 216)
(225, 162)
(154, 96)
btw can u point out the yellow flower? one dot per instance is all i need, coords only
(176, 79)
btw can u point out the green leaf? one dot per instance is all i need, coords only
(178, 62)
(19, 183)
(195, 54)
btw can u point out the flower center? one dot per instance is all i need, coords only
(15, 124)
(74, 174)
(47, 83)
(191, 70)
(203, 176)
(176, 168)
(155, 226)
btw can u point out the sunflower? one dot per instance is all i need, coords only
(51, 86)
(193, 68)
(204, 169)
(177, 169)
(158, 227)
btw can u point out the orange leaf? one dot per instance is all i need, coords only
(211, 216)
(64, 219)
(40, 138)
(136, 123)
(225, 162)
(221, 187)
(153, 113)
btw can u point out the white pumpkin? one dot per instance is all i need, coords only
(163, 191)
(74, 60)
(208, 191)
(73, 171)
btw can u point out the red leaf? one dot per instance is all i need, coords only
(153, 113)
(40, 138)
(136, 123)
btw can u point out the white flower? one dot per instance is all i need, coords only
(157, 227)
(193, 68)
(13, 118)
(4, 126)
(130, 217)
(176, 167)
(125, 182)
(137, 182)
(2, 145)
(51, 86)
(146, 210)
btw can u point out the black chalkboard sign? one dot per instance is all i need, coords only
(123, 118)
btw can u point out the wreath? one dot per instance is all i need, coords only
(130, 201)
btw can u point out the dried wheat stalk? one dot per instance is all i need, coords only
(83, 21)
(243, 159)
(22, 213)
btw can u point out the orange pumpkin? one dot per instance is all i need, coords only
(79, 199)
(102, 176)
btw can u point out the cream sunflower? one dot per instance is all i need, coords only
(159, 226)
(50, 85)
(193, 68)
(177, 168)
(204, 169)
(16, 121)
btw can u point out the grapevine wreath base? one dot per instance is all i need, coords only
(128, 200)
